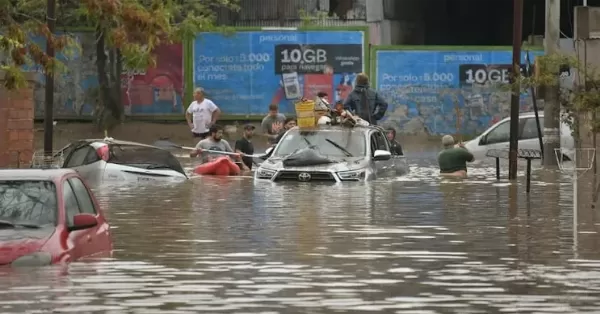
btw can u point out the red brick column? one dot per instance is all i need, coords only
(16, 126)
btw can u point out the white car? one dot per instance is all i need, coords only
(361, 153)
(498, 135)
(105, 160)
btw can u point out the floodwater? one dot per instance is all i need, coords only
(414, 244)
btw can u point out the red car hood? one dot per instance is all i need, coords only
(15, 243)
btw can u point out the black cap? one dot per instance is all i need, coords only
(249, 127)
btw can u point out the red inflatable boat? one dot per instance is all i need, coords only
(220, 166)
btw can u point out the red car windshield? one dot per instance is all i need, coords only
(25, 202)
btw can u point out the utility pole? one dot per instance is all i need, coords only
(49, 88)
(551, 100)
(516, 89)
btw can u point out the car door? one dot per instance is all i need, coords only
(97, 238)
(383, 167)
(76, 240)
(86, 162)
(528, 138)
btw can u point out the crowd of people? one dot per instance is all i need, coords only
(363, 103)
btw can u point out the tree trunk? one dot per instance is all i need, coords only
(118, 82)
(115, 80)
(112, 113)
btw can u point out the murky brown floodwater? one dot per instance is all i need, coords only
(406, 245)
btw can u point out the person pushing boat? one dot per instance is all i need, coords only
(216, 155)
(214, 142)
(453, 159)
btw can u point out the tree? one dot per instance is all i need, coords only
(21, 20)
(579, 101)
(128, 29)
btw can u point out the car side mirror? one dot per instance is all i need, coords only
(83, 221)
(381, 155)
(483, 140)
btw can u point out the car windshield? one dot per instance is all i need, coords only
(30, 203)
(331, 143)
(144, 157)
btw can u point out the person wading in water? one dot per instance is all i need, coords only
(287, 125)
(272, 123)
(244, 146)
(453, 159)
(215, 143)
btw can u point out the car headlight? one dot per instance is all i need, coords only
(32, 260)
(351, 175)
(265, 173)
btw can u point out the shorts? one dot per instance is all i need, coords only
(200, 135)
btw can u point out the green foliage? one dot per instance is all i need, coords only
(308, 19)
(22, 20)
(582, 101)
(135, 27)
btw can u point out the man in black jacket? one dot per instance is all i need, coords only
(365, 102)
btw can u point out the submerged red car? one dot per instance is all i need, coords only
(49, 216)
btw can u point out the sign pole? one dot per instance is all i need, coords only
(516, 89)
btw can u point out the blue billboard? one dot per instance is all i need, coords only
(447, 91)
(245, 72)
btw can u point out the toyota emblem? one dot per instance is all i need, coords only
(304, 177)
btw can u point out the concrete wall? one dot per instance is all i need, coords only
(395, 22)
(16, 126)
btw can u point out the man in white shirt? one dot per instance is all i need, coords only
(201, 114)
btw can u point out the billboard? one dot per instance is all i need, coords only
(447, 91)
(245, 72)
(159, 90)
(156, 91)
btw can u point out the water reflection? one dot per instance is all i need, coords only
(415, 244)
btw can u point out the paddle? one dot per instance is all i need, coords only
(166, 144)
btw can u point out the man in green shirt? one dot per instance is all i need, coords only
(453, 159)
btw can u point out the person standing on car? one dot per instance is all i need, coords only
(396, 148)
(201, 114)
(214, 142)
(365, 102)
(272, 123)
(245, 146)
(453, 159)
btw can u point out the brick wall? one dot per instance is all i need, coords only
(16, 127)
